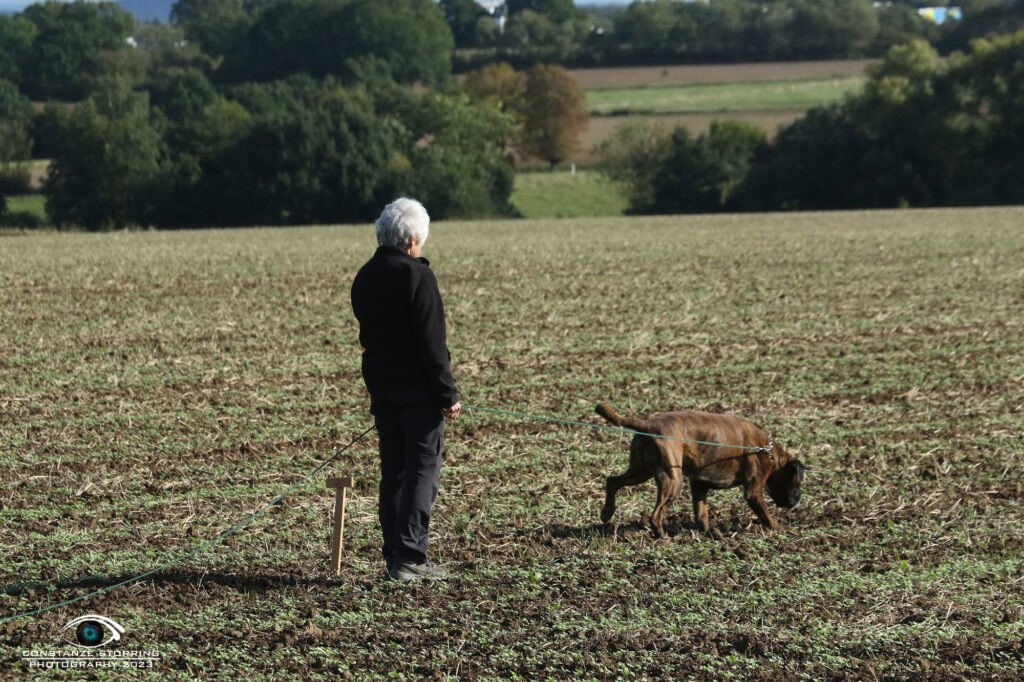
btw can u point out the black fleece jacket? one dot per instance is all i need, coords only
(402, 331)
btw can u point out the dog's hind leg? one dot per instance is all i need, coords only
(638, 472)
(633, 476)
(668, 489)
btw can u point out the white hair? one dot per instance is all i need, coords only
(402, 221)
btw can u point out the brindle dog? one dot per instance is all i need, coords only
(764, 464)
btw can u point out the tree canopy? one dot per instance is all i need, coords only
(217, 26)
(108, 153)
(555, 10)
(294, 111)
(15, 140)
(72, 46)
(463, 16)
(292, 151)
(410, 38)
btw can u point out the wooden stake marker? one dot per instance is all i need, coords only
(341, 486)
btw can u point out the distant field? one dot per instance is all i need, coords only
(768, 96)
(724, 98)
(158, 387)
(28, 203)
(560, 194)
(645, 76)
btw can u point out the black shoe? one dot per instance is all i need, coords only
(406, 571)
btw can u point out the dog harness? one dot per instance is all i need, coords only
(770, 451)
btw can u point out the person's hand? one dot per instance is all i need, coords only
(453, 411)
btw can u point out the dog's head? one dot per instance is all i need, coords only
(784, 484)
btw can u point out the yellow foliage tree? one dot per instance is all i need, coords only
(497, 84)
(554, 113)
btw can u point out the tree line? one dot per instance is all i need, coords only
(681, 31)
(179, 126)
(251, 112)
(243, 112)
(923, 132)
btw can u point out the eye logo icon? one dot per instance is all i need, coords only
(89, 631)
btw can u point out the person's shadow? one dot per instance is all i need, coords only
(258, 583)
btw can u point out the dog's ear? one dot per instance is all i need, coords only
(796, 466)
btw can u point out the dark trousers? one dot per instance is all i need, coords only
(411, 444)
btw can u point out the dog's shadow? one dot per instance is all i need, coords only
(637, 532)
(627, 531)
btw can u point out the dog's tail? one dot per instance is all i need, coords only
(606, 411)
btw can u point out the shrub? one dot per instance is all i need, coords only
(683, 173)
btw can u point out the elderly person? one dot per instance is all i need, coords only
(405, 367)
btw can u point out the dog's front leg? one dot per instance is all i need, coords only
(756, 503)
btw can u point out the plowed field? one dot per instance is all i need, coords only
(769, 95)
(158, 388)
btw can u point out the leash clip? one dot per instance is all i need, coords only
(770, 451)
